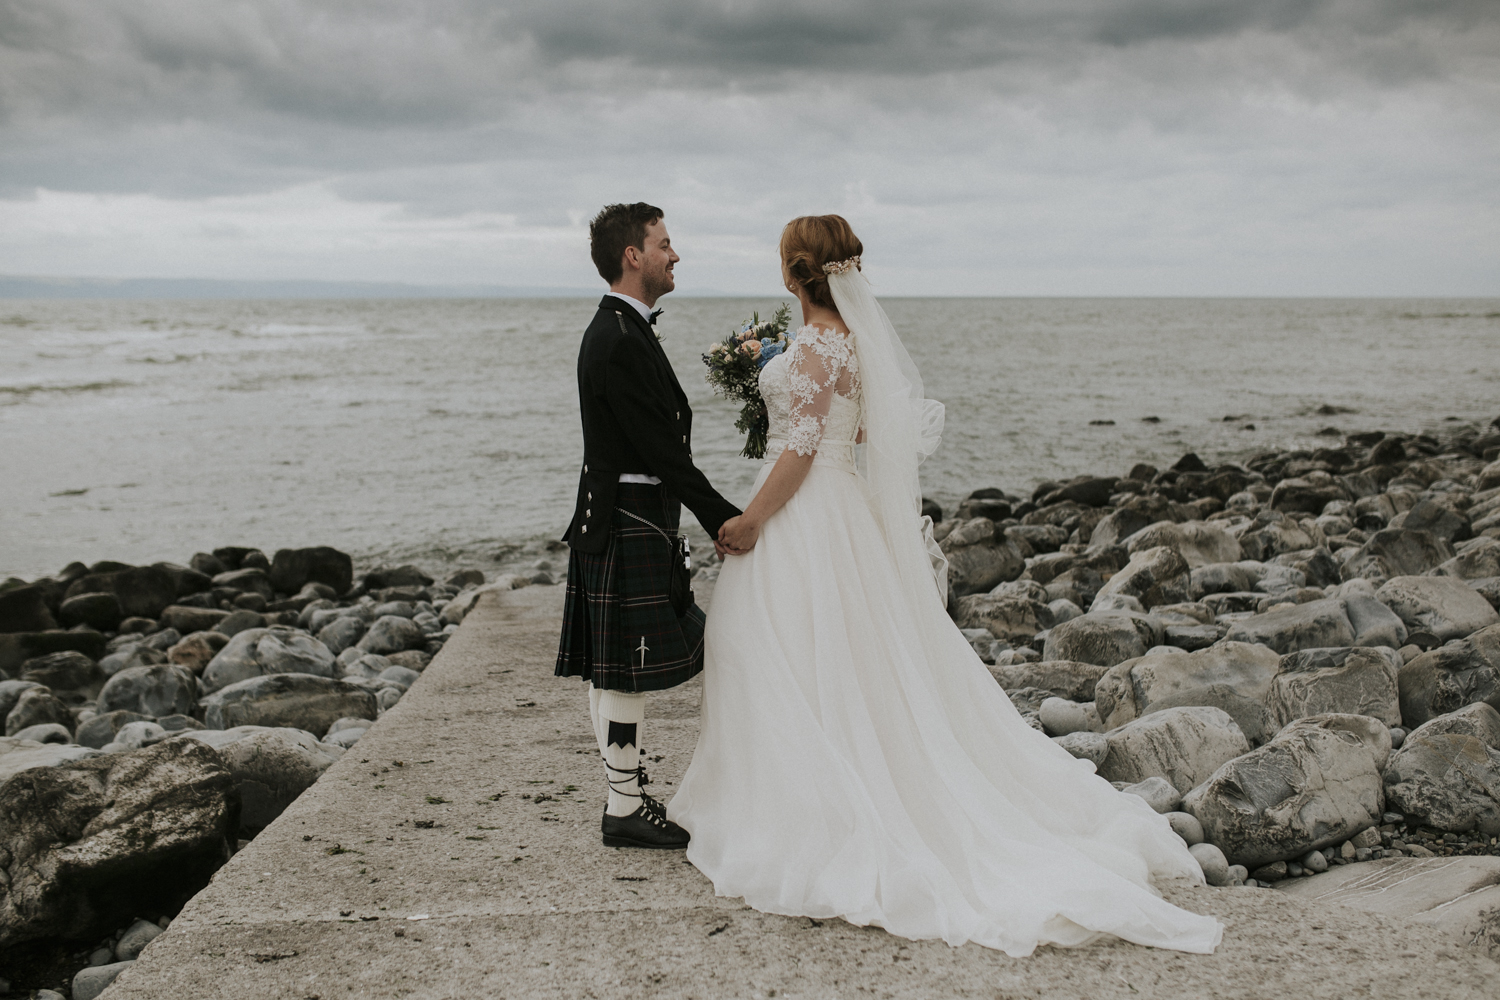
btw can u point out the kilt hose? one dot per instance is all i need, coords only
(617, 601)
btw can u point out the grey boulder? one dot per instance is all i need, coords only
(17, 755)
(1103, 639)
(392, 634)
(1448, 777)
(92, 981)
(1159, 794)
(1184, 745)
(1478, 560)
(1315, 785)
(1456, 674)
(71, 675)
(258, 652)
(979, 557)
(1290, 627)
(1092, 747)
(271, 766)
(100, 731)
(1231, 676)
(341, 633)
(1200, 543)
(46, 732)
(1157, 575)
(1393, 552)
(1345, 680)
(160, 689)
(37, 706)
(1065, 678)
(1009, 617)
(188, 620)
(296, 701)
(86, 845)
(1445, 606)
(1374, 623)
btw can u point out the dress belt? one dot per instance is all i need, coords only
(832, 454)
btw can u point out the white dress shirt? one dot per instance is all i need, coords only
(645, 311)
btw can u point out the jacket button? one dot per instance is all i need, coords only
(588, 513)
(684, 439)
(679, 414)
(585, 468)
(591, 496)
(585, 529)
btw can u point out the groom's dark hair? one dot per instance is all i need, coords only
(615, 228)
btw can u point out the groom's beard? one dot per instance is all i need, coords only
(656, 285)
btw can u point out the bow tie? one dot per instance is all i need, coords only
(655, 313)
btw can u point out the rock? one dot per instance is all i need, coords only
(72, 676)
(1224, 578)
(401, 609)
(1347, 680)
(1194, 637)
(271, 766)
(1445, 606)
(187, 620)
(346, 738)
(1374, 624)
(17, 755)
(1059, 717)
(160, 689)
(247, 581)
(292, 569)
(10, 693)
(1101, 639)
(16, 648)
(100, 731)
(388, 697)
(24, 609)
(135, 939)
(1186, 826)
(1449, 781)
(87, 844)
(143, 591)
(46, 732)
(1064, 678)
(1394, 552)
(341, 633)
(1315, 861)
(1215, 866)
(1275, 535)
(1158, 793)
(401, 576)
(1488, 587)
(1478, 561)
(1232, 676)
(1478, 720)
(1288, 628)
(1200, 543)
(1457, 896)
(979, 557)
(98, 611)
(475, 578)
(1116, 602)
(1446, 679)
(135, 735)
(1153, 576)
(189, 581)
(239, 621)
(1273, 872)
(1314, 785)
(1308, 495)
(1184, 745)
(91, 982)
(1119, 525)
(37, 707)
(261, 651)
(209, 565)
(397, 674)
(1435, 519)
(298, 701)
(197, 650)
(392, 634)
(1092, 747)
(1013, 619)
(138, 655)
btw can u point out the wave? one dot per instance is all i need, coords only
(19, 392)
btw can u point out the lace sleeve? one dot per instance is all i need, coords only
(817, 364)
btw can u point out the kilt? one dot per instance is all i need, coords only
(617, 601)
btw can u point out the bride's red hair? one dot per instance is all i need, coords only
(810, 241)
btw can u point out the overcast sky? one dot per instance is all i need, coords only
(1048, 147)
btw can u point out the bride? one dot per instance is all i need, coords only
(856, 758)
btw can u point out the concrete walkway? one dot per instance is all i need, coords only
(454, 852)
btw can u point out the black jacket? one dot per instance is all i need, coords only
(635, 419)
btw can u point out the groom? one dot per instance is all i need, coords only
(620, 632)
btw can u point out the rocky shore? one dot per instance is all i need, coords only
(157, 717)
(1296, 657)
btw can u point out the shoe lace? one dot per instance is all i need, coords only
(638, 774)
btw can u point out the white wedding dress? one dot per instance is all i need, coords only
(856, 758)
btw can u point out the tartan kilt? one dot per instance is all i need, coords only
(618, 598)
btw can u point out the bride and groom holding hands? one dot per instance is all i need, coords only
(855, 759)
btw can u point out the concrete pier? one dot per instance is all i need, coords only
(454, 852)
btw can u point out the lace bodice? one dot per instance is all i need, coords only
(812, 393)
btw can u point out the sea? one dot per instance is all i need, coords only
(446, 432)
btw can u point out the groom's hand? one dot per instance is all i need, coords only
(738, 536)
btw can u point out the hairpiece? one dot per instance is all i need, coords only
(841, 266)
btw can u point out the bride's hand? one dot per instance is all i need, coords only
(738, 536)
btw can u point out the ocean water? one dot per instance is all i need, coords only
(440, 431)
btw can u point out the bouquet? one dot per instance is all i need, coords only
(734, 366)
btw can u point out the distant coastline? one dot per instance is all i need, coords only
(43, 287)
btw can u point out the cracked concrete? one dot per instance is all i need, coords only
(454, 852)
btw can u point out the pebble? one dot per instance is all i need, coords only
(1215, 866)
(134, 940)
(1186, 826)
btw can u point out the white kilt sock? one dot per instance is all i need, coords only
(617, 724)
